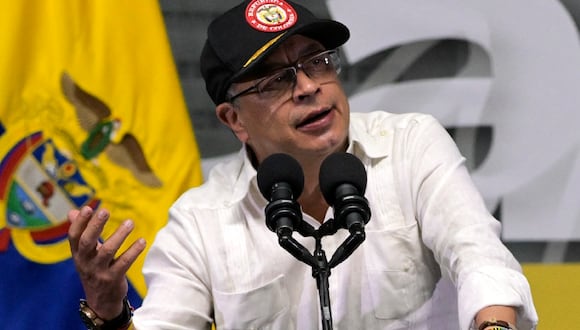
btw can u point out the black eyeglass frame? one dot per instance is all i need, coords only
(334, 58)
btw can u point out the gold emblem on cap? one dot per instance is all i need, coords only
(271, 15)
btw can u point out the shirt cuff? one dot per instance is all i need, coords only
(492, 285)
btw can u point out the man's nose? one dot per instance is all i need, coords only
(304, 86)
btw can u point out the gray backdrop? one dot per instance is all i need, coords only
(502, 76)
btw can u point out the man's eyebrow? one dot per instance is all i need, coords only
(268, 67)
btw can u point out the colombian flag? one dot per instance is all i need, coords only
(91, 113)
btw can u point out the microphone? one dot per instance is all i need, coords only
(281, 181)
(343, 181)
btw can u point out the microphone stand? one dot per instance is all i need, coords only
(320, 265)
(321, 272)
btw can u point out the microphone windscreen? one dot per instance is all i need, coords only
(278, 168)
(339, 168)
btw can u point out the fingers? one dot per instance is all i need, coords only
(109, 248)
(78, 220)
(127, 258)
(84, 232)
(89, 227)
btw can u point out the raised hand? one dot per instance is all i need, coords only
(102, 275)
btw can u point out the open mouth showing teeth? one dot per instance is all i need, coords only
(314, 118)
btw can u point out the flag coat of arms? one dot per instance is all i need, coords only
(91, 113)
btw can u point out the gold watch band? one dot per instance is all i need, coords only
(93, 322)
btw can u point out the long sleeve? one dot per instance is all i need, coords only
(179, 296)
(457, 227)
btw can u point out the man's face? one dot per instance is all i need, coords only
(309, 120)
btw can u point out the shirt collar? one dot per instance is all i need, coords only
(367, 137)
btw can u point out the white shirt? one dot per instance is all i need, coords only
(432, 257)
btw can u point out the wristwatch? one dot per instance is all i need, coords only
(93, 322)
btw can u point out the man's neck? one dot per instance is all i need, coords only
(311, 199)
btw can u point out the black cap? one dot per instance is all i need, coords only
(243, 36)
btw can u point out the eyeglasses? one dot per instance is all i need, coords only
(322, 67)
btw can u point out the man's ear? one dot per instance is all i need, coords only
(227, 113)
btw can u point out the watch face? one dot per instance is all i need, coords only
(88, 322)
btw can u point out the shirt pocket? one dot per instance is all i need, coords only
(398, 276)
(265, 307)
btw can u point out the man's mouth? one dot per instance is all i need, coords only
(313, 118)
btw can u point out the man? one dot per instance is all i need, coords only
(432, 258)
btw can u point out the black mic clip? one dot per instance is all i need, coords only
(352, 212)
(283, 214)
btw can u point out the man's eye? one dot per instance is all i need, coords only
(317, 60)
(279, 81)
(319, 63)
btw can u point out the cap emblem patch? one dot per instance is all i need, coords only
(270, 15)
